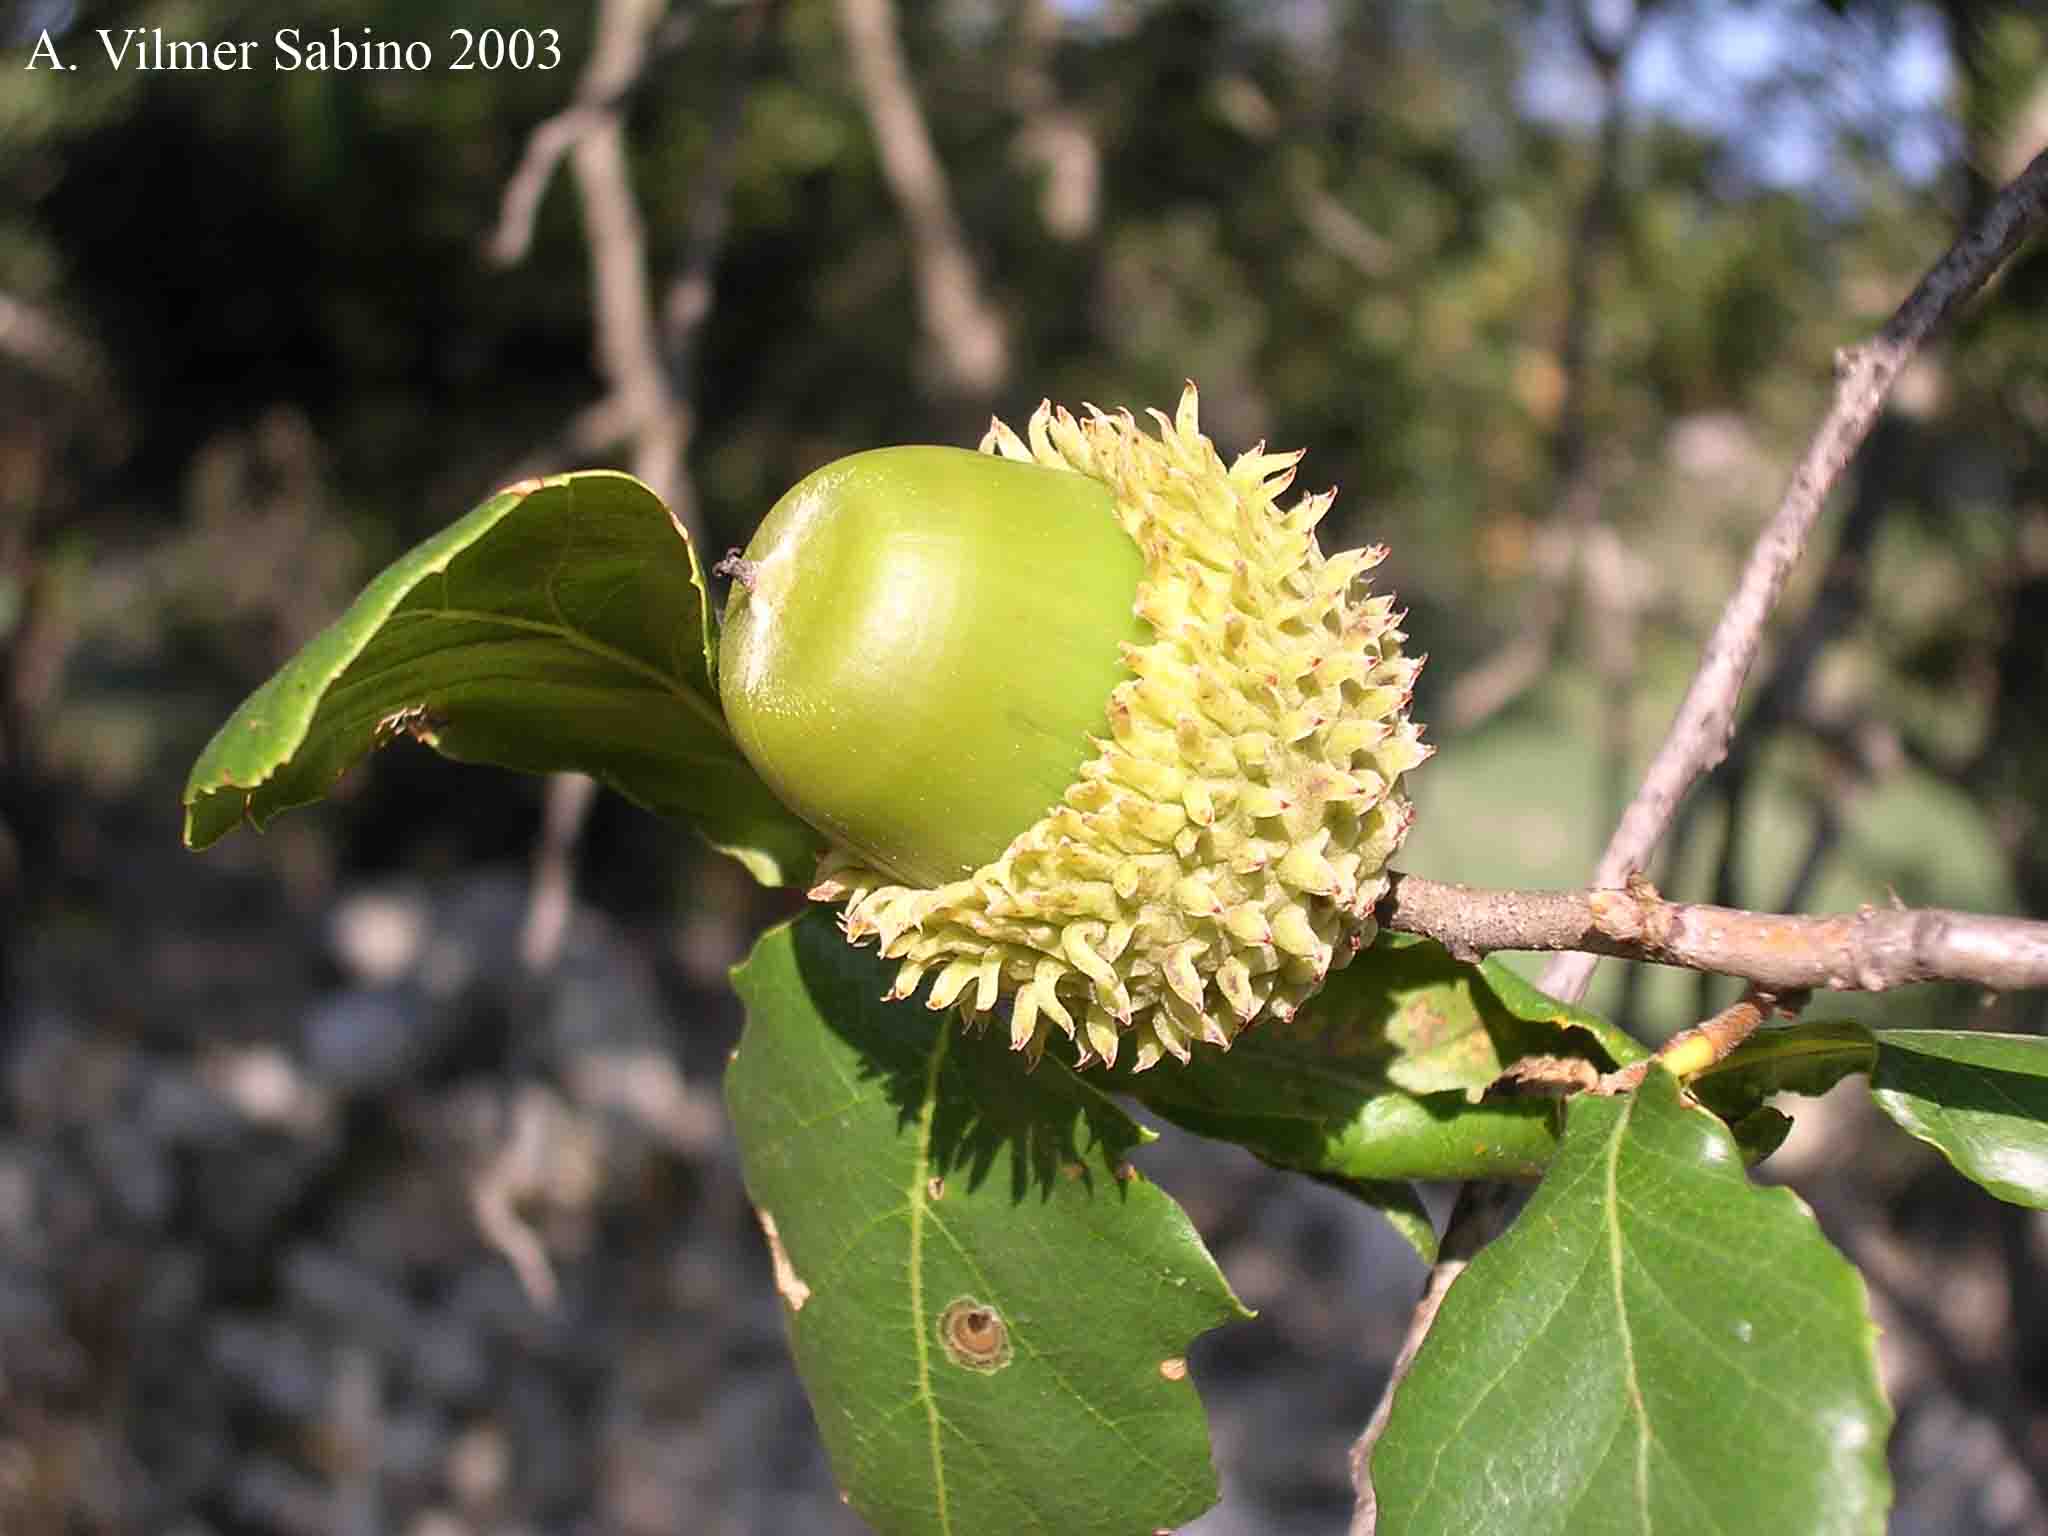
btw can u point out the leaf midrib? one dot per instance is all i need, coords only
(917, 1194)
(1615, 1261)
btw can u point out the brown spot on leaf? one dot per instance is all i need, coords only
(935, 1187)
(1072, 1171)
(1125, 1173)
(787, 1281)
(974, 1335)
(1174, 1368)
(1425, 1024)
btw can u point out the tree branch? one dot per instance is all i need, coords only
(605, 89)
(628, 342)
(687, 305)
(647, 356)
(1699, 735)
(965, 333)
(1480, 1215)
(1052, 136)
(1692, 1051)
(648, 360)
(1872, 950)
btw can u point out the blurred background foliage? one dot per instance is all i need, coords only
(1550, 290)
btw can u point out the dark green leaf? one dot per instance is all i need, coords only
(922, 1181)
(1760, 1133)
(562, 625)
(1527, 1002)
(1356, 1126)
(1807, 1058)
(1376, 1078)
(1657, 1345)
(1982, 1099)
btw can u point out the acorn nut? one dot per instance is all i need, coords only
(1090, 723)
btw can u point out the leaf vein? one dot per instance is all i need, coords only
(918, 1198)
(1611, 1208)
(569, 635)
(1445, 1442)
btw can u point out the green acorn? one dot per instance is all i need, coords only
(1092, 725)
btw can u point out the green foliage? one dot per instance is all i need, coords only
(1806, 1058)
(1657, 1345)
(561, 625)
(1981, 1099)
(1380, 1076)
(979, 1285)
(990, 1307)
(1426, 375)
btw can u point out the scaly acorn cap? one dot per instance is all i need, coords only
(1225, 845)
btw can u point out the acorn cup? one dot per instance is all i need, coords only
(1089, 722)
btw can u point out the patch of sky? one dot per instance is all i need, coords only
(1783, 84)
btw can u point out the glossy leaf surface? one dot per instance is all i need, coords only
(1981, 1099)
(1656, 1346)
